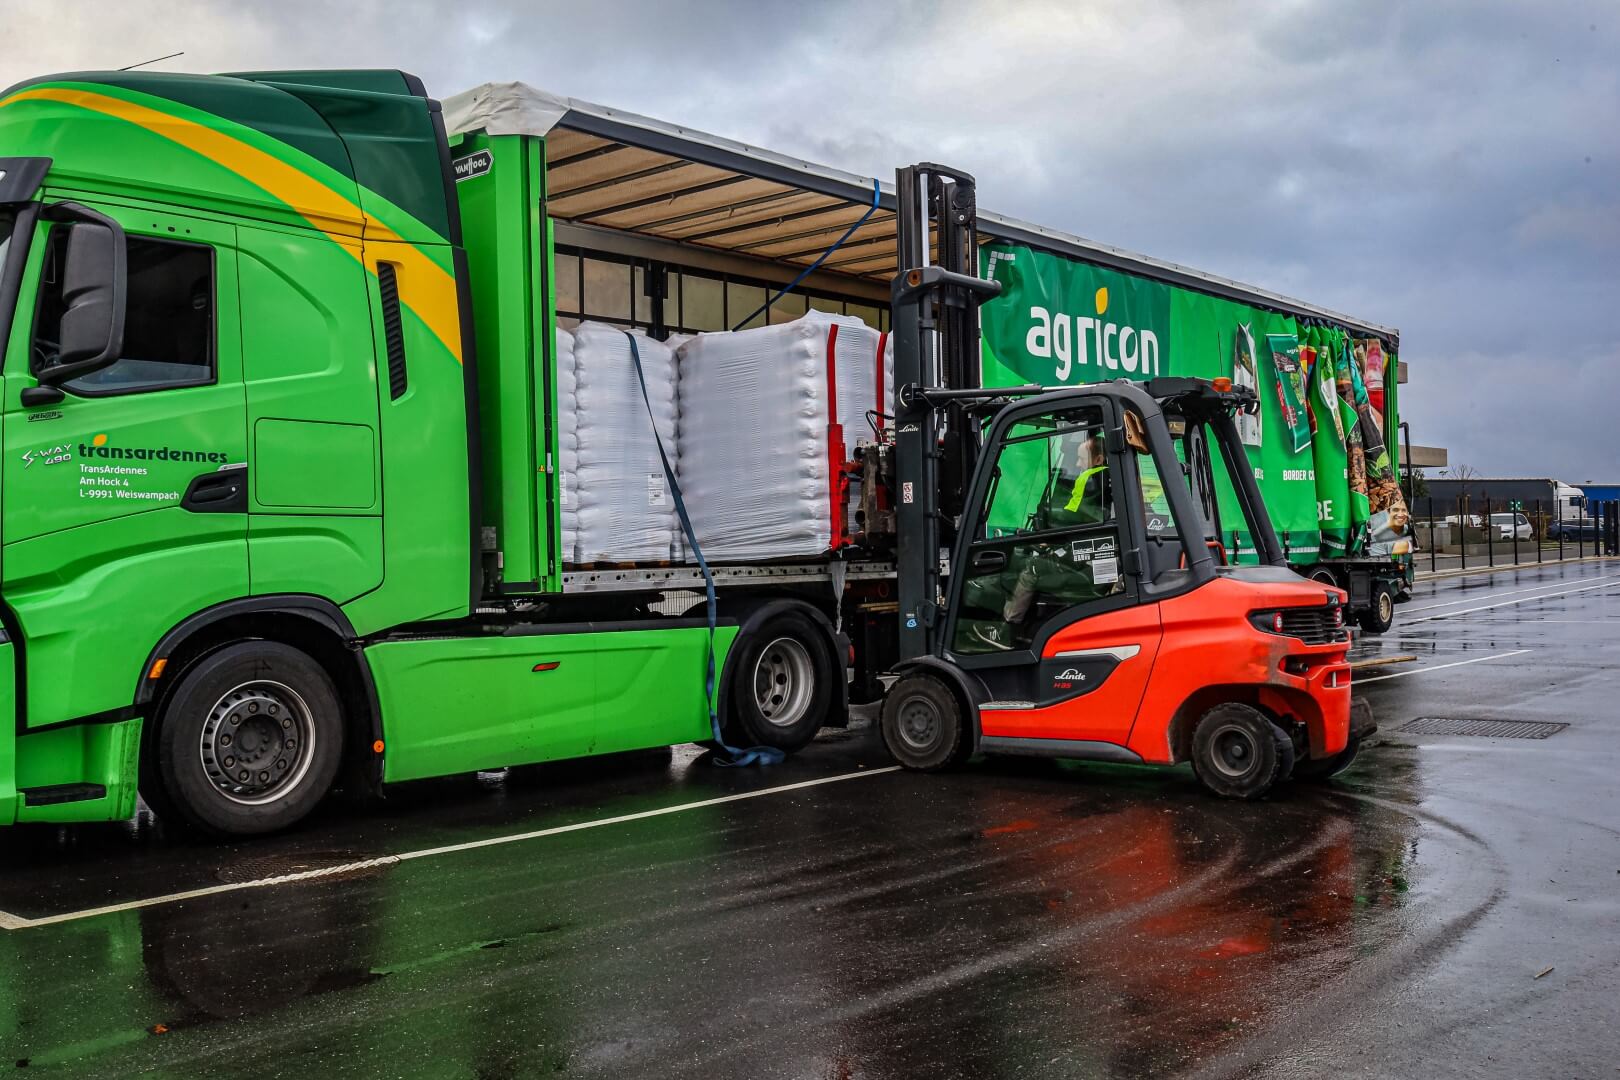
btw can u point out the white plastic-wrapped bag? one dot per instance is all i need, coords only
(625, 512)
(567, 446)
(759, 456)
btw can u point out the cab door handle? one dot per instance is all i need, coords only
(222, 492)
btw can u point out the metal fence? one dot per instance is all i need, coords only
(1524, 536)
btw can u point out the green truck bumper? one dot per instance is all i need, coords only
(83, 772)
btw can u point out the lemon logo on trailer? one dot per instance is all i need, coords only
(1077, 340)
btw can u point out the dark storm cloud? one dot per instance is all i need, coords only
(1448, 168)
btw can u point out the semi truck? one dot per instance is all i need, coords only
(281, 489)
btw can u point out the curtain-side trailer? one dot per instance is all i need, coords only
(281, 422)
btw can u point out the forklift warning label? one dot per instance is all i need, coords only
(1101, 554)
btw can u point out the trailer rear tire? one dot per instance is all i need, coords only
(249, 741)
(781, 683)
(1238, 753)
(923, 724)
(1380, 613)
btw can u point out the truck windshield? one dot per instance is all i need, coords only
(8, 225)
(8, 221)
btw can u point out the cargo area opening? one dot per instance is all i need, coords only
(692, 239)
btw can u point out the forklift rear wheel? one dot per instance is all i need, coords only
(923, 725)
(1329, 767)
(782, 686)
(249, 741)
(1380, 614)
(1238, 753)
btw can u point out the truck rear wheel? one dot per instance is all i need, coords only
(249, 741)
(1380, 613)
(1238, 753)
(923, 725)
(781, 683)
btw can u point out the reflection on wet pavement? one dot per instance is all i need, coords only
(1012, 919)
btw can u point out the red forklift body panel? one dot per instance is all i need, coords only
(1103, 714)
(1207, 654)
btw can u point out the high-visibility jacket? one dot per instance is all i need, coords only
(1079, 493)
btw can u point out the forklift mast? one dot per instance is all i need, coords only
(935, 329)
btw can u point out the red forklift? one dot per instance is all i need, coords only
(1063, 589)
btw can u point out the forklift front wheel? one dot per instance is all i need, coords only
(923, 724)
(1238, 753)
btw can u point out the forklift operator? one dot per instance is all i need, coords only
(1047, 570)
(1078, 493)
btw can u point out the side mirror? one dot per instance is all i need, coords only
(94, 285)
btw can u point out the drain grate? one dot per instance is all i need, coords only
(1487, 729)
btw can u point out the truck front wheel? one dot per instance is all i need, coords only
(249, 740)
(1238, 753)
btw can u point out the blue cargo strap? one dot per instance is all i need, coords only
(758, 755)
(807, 271)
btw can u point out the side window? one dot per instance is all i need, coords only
(1164, 546)
(1049, 540)
(1051, 473)
(168, 321)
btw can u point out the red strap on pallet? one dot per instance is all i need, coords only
(836, 479)
(883, 344)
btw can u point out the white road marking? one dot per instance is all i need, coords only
(17, 922)
(1508, 603)
(1436, 667)
(1494, 595)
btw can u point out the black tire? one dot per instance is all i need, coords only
(1379, 615)
(781, 684)
(1323, 576)
(1238, 753)
(249, 740)
(923, 724)
(1328, 767)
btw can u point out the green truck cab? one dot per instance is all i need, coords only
(244, 492)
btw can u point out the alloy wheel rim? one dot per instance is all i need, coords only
(918, 724)
(1234, 751)
(784, 681)
(258, 742)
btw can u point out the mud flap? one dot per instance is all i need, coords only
(1362, 723)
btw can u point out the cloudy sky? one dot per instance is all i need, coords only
(1448, 168)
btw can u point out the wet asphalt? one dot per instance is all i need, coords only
(1448, 907)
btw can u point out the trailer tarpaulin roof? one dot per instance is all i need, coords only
(612, 169)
